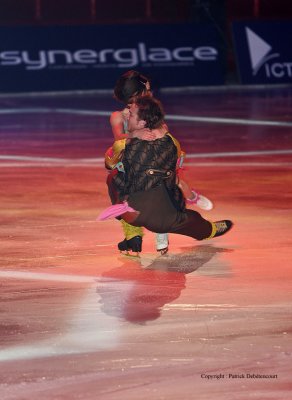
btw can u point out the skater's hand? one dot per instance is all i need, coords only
(144, 134)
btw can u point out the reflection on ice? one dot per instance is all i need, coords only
(89, 330)
(137, 291)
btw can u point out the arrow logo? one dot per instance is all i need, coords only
(258, 50)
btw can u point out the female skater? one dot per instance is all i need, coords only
(130, 85)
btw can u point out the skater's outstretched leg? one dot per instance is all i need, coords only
(194, 225)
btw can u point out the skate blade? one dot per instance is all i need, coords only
(131, 255)
(164, 251)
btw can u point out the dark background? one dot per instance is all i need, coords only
(44, 12)
(220, 13)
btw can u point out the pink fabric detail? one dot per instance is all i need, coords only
(115, 211)
(196, 197)
(179, 163)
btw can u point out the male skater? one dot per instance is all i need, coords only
(147, 180)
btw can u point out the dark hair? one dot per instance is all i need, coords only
(150, 110)
(130, 84)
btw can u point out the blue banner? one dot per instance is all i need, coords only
(264, 52)
(93, 57)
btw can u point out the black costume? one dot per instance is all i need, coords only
(148, 182)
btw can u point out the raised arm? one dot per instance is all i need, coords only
(117, 120)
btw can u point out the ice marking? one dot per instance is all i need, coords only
(174, 117)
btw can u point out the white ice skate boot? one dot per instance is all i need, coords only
(201, 201)
(162, 242)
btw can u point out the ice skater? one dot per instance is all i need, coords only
(128, 87)
(146, 180)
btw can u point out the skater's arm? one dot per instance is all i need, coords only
(145, 134)
(117, 124)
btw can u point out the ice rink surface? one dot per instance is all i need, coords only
(210, 320)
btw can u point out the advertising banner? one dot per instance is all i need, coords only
(264, 52)
(93, 57)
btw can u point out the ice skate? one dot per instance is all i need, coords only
(133, 239)
(134, 244)
(219, 228)
(162, 242)
(201, 201)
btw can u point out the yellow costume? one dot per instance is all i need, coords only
(113, 154)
